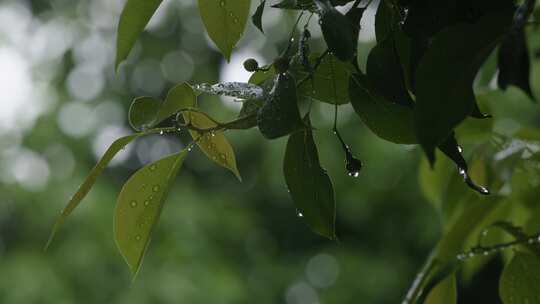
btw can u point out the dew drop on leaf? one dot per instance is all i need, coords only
(133, 204)
(155, 188)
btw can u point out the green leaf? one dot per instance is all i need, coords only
(329, 83)
(310, 187)
(444, 293)
(386, 73)
(338, 31)
(384, 20)
(225, 21)
(133, 20)
(143, 112)
(520, 280)
(444, 95)
(213, 144)
(90, 180)
(257, 17)
(279, 114)
(139, 206)
(514, 63)
(388, 120)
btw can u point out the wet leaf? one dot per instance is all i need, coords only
(213, 144)
(83, 190)
(143, 112)
(257, 17)
(225, 21)
(388, 120)
(329, 83)
(133, 20)
(385, 72)
(384, 20)
(444, 293)
(139, 206)
(310, 187)
(279, 114)
(444, 95)
(338, 31)
(514, 63)
(520, 280)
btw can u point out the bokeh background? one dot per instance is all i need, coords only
(218, 241)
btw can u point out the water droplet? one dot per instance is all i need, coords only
(146, 203)
(153, 167)
(155, 188)
(235, 20)
(460, 149)
(300, 214)
(161, 132)
(151, 197)
(222, 3)
(353, 166)
(133, 204)
(138, 237)
(231, 14)
(223, 156)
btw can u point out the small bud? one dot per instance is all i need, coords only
(251, 65)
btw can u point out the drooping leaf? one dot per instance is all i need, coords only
(310, 187)
(257, 17)
(444, 95)
(514, 63)
(388, 120)
(85, 187)
(338, 31)
(451, 148)
(139, 206)
(520, 280)
(225, 21)
(386, 73)
(384, 20)
(443, 293)
(213, 144)
(279, 114)
(133, 20)
(329, 83)
(143, 112)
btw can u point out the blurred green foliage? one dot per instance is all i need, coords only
(218, 240)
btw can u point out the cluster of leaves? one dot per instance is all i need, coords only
(417, 88)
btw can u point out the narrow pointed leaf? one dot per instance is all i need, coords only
(257, 17)
(133, 20)
(83, 190)
(520, 279)
(225, 21)
(338, 31)
(139, 206)
(310, 187)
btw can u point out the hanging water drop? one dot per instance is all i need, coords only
(354, 166)
(299, 214)
(161, 132)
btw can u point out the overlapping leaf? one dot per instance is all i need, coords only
(520, 280)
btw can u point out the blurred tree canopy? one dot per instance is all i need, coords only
(306, 151)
